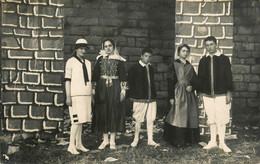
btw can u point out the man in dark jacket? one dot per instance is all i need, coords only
(216, 86)
(142, 93)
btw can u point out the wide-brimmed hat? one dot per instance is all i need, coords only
(81, 43)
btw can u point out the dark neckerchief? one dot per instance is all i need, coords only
(85, 72)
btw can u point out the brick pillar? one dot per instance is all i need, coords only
(197, 19)
(32, 65)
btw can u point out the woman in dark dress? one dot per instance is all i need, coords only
(182, 122)
(109, 76)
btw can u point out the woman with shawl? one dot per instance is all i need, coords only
(110, 77)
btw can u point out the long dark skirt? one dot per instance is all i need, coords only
(177, 136)
(109, 112)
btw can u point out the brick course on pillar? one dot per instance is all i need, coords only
(198, 19)
(32, 65)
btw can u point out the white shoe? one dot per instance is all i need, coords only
(113, 146)
(210, 145)
(134, 143)
(82, 148)
(73, 150)
(225, 148)
(103, 145)
(152, 143)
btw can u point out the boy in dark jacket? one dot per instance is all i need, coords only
(216, 86)
(142, 93)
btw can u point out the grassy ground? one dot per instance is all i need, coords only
(246, 149)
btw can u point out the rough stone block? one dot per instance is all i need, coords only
(52, 44)
(19, 111)
(59, 99)
(31, 78)
(248, 46)
(39, 33)
(36, 65)
(44, 55)
(253, 87)
(7, 111)
(159, 43)
(22, 21)
(162, 67)
(8, 42)
(30, 44)
(131, 51)
(56, 33)
(25, 9)
(8, 64)
(47, 66)
(35, 88)
(44, 98)
(241, 69)
(44, 11)
(213, 9)
(158, 77)
(155, 59)
(58, 3)
(8, 7)
(184, 30)
(7, 30)
(257, 46)
(255, 69)
(38, 2)
(200, 31)
(190, 7)
(10, 20)
(34, 22)
(20, 54)
(37, 112)
(22, 32)
(244, 30)
(240, 87)
(14, 87)
(9, 97)
(13, 124)
(5, 77)
(163, 86)
(25, 97)
(48, 125)
(52, 23)
(54, 113)
(52, 79)
(77, 30)
(142, 42)
(55, 89)
(237, 78)
(15, 77)
(103, 31)
(135, 32)
(250, 61)
(32, 125)
(217, 31)
(59, 55)
(111, 22)
(248, 94)
(57, 66)
(59, 12)
(251, 78)
(253, 102)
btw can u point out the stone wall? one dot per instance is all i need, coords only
(246, 61)
(133, 24)
(32, 65)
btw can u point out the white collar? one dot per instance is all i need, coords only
(217, 53)
(117, 57)
(142, 64)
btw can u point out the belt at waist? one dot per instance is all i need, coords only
(108, 77)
